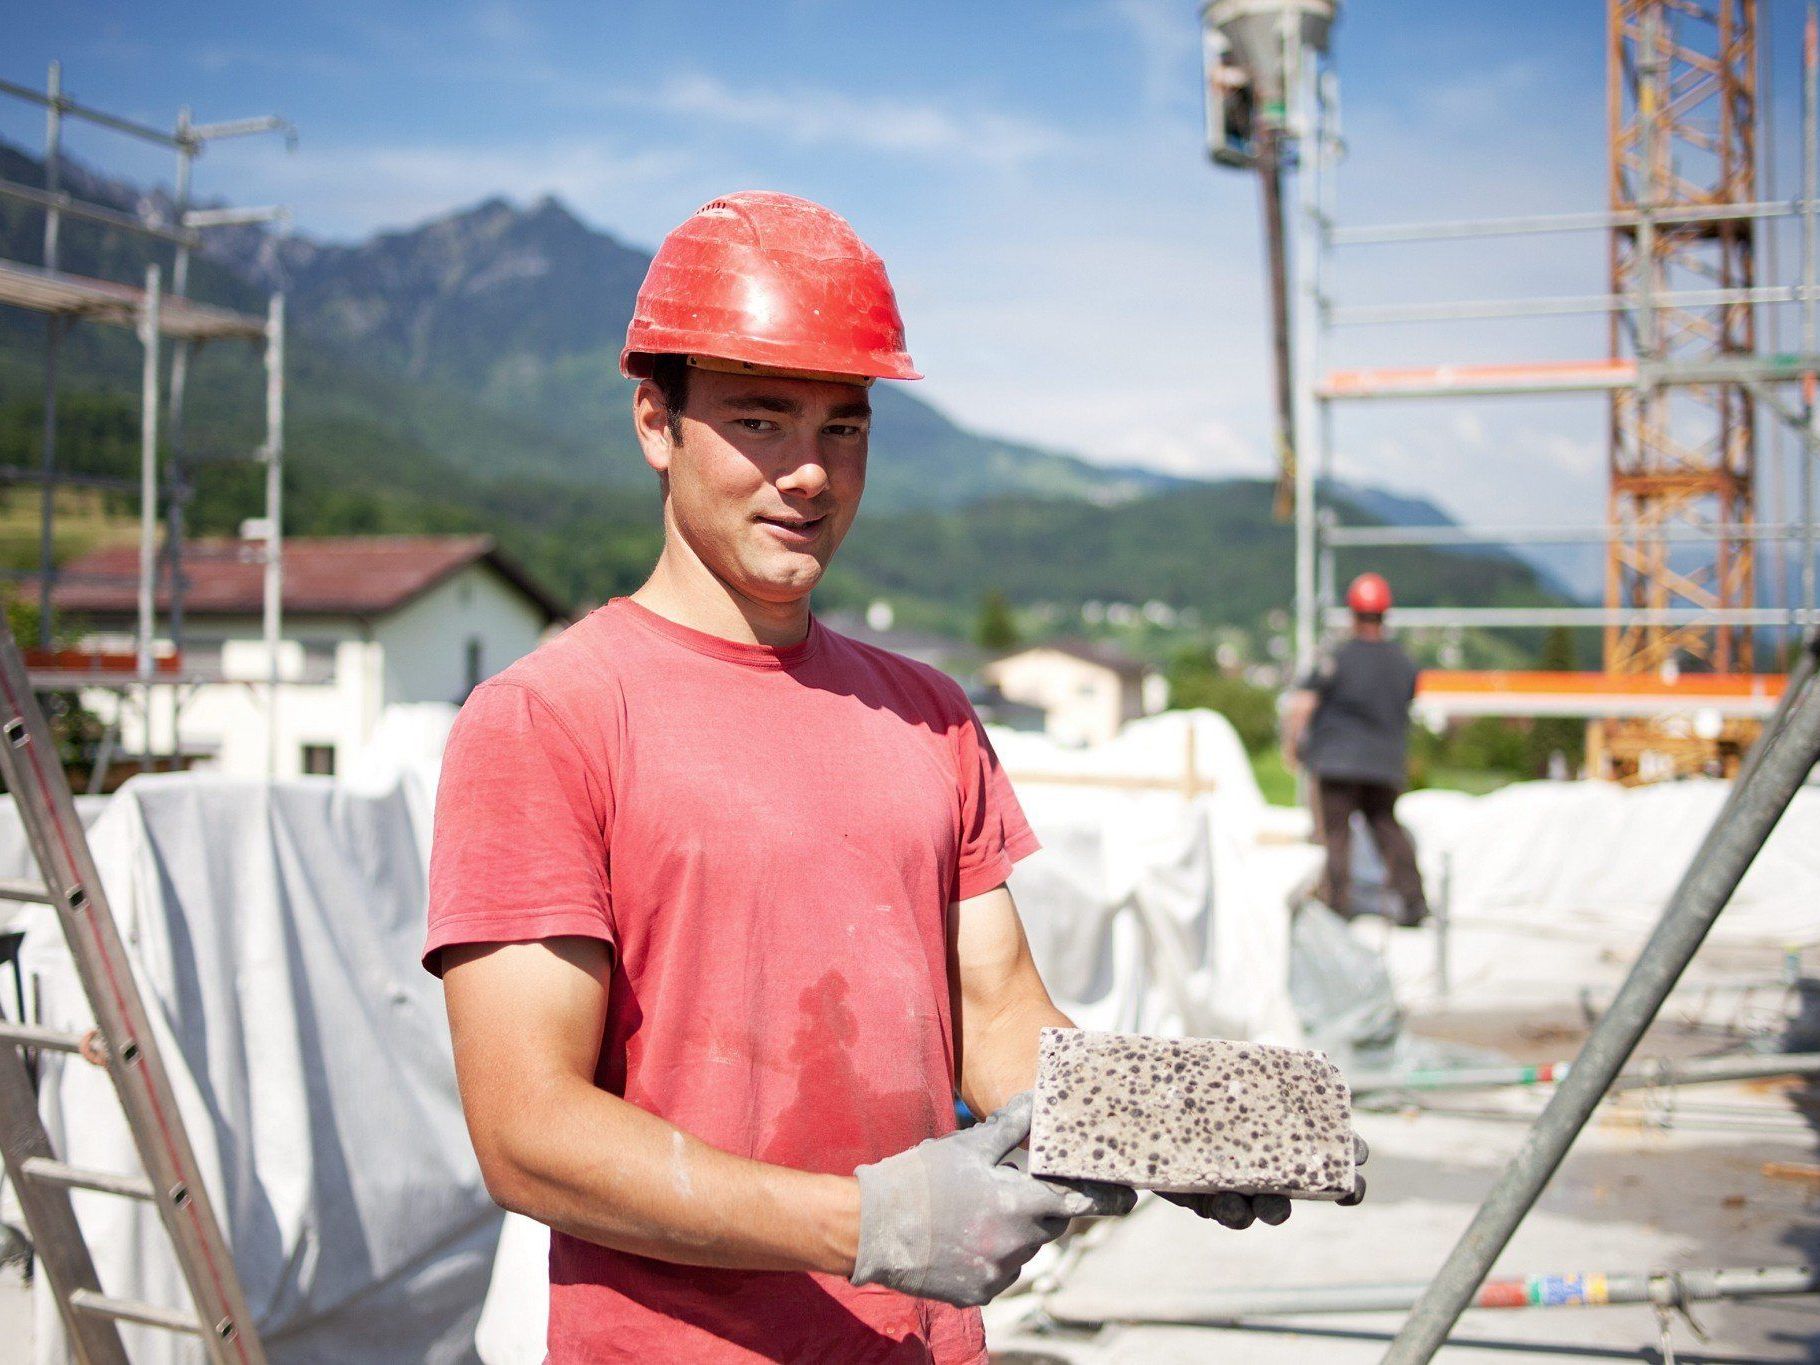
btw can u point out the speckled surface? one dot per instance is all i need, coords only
(1191, 1115)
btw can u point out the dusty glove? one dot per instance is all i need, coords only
(950, 1220)
(1239, 1211)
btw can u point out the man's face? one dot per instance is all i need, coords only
(767, 478)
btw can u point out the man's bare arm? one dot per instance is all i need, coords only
(1301, 709)
(1003, 1002)
(527, 1020)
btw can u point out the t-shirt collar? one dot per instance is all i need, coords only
(715, 647)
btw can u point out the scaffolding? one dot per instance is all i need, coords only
(1685, 380)
(157, 313)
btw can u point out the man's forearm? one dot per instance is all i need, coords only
(592, 1165)
(1000, 1055)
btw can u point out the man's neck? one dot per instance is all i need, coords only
(684, 590)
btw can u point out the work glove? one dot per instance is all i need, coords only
(951, 1219)
(1240, 1211)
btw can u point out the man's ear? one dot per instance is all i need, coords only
(651, 422)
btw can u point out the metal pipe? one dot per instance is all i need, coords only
(176, 478)
(1282, 343)
(68, 106)
(1461, 310)
(177, 475)
(1810, 276)
(1518, 617)
(1343, 536)
(1785, 755)
(148, 492)
(1443, 918)
(208, 218)
(274, 512)
(60, 202)
(1499, 381)
(53, 344)
(1378, 234)
(1215, 1307)
(1658, 1071)
(1308, 118)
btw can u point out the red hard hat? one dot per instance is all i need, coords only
(770, 280)
(1369, 595)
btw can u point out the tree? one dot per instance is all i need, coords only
(996, 628)
(1196, 682)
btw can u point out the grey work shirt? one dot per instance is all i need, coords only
(1360, 730)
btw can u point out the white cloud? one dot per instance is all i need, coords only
(343, 192)
(810, 117)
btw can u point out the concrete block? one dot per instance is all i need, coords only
(1190, 1115)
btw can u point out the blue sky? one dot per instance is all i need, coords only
(1073, 271)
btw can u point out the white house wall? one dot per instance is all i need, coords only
(351, 670)
(425, 642)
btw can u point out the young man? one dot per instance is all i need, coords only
(1349, 722)
(718, 895)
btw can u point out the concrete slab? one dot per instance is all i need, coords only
(1191, 1115)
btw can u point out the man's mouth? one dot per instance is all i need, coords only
(793, 529)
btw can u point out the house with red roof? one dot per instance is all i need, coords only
(1086, 691)
(368, 622)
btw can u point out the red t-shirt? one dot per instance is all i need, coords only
(770, 839)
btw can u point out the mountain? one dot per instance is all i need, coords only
(526, 310)
(512, 318)
(462, 375)
(1213, 548)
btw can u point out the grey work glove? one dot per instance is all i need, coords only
(1240, 1211)
(951, 1220)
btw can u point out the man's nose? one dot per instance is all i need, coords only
(805, 476)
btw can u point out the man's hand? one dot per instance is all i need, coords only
(950, 1220)
(1240, 1211)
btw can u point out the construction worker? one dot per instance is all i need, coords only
(1348, 722)
(718, 895)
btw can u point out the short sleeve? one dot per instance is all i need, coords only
(994, 832)
(1319, 678)
(520, 847)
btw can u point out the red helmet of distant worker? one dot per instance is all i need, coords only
(1369, 595)
(770, 283)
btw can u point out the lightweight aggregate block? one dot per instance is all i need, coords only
(1191, 1115)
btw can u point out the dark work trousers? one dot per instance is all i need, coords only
(1377, 802)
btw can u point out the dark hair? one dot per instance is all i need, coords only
(671, 375)
(1369, 618)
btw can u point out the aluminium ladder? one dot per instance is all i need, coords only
(123, 1040)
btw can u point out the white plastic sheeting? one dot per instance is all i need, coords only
(1590, 852)
(1556, 885)
(276, 931)
(1148, 913)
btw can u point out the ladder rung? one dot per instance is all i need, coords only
(35, 892)
(102, 1182)
(48, 1039)
(132, 1310)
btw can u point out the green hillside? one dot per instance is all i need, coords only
(461, 376)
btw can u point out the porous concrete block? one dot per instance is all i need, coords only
(1191, 1115)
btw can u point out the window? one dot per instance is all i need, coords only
(319, 759)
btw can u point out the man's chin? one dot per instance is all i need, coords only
(782, 589)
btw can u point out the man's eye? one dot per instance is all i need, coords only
(757, 424)
(844, 430)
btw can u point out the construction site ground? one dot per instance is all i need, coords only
(1698, 1178)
